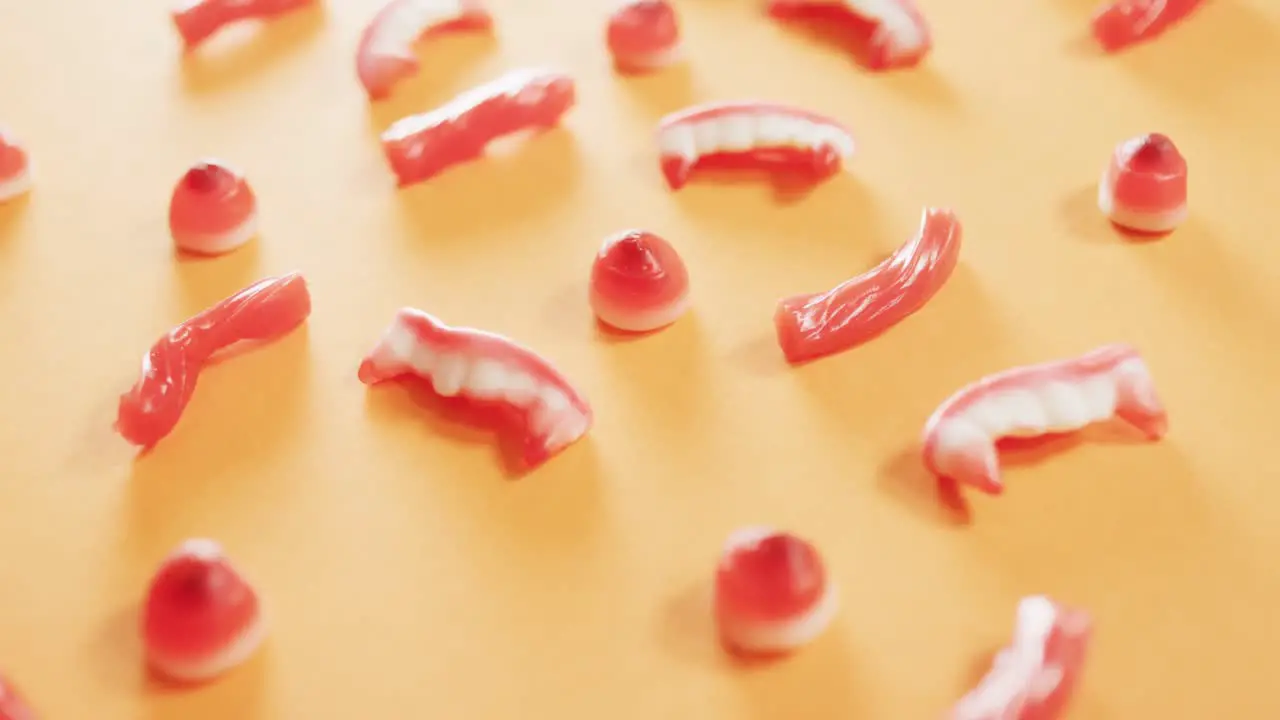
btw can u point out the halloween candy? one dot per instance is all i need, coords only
(1049, 398)
(486, 369)
(751, 135)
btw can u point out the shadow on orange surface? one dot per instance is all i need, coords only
(789, 187)
(117, 651)
(662, 92)
(547, 162)
(1081, 216)
(687, 627)
(824, 682)
(962, 302)
(240, 52)
(760, 356)
(203, 280)
(904, 478)
(11, 214)
(456, 418)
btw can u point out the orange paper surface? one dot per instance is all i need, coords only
(407, 577)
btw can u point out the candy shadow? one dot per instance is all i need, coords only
(787, 187)
(760, 356)
(671, 368)
(161, 476)
(686, 628)
(204, 281)
(830, 681)
(457, 419)
(926, 86)
(845, 196)
(905, 479)
(117, 655)
(427, 89)
(1234, 313)
(1162, 63)
(11, 214)
(462, 199)
(1082, 218)
(664, 91)
(213, 66)
(99, 446)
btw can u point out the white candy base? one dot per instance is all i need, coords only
(220, 243)
(236, 653)
(1139, 220)
(643, 321)
(767, 638)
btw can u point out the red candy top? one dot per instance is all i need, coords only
(210, 198)
(642, 27)
(1149, 173)
(197, 603)
(13, 159)
(1156, 153)
(769, 575)
(639, 269)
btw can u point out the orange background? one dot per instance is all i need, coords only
(407, 578)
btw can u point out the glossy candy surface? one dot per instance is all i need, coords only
(386, 53)
(893, 33)
(1049, 398)
(857, 310)
(639, 282)
(487, 369)
(1121, 23)
(419, 147)
(263, 311)
(1144, 186)
(751, 135)
(198, 20)
(643, 35)
(15, 168)
(1036, 675)
(772, 594)
(212, 210)
(201, 618)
